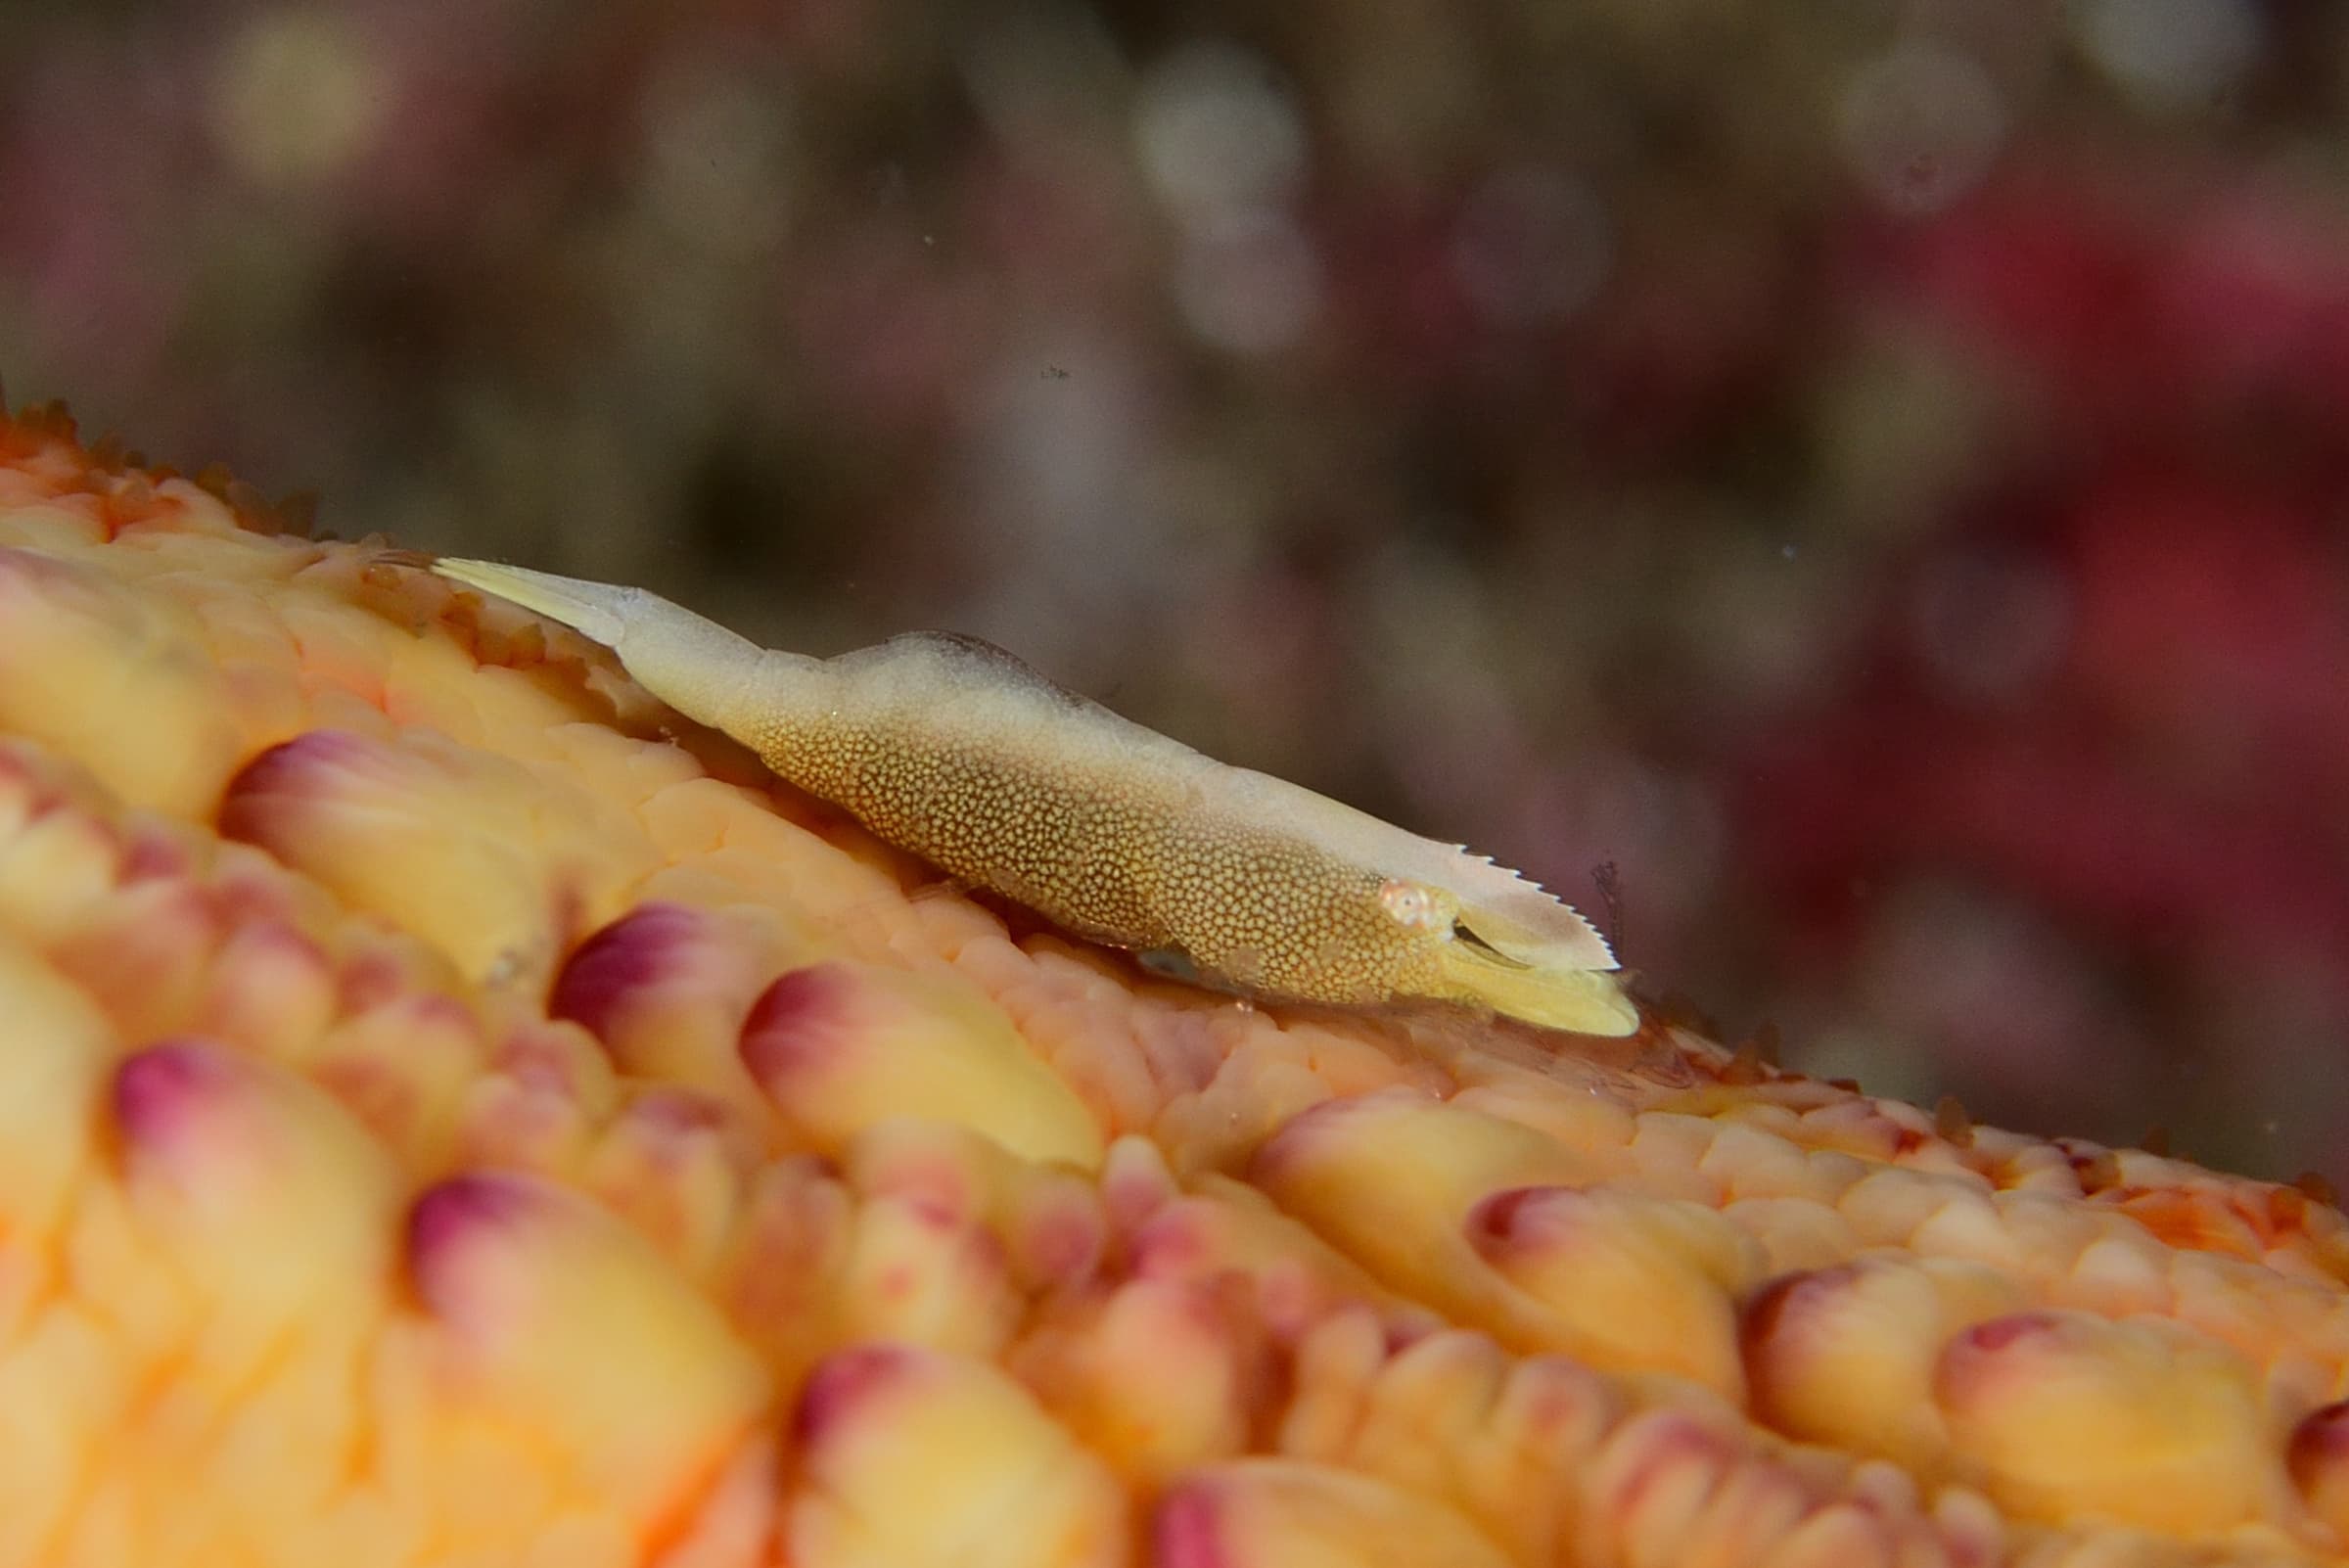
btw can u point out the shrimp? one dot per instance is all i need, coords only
(957, 751)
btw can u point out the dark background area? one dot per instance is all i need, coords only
(1874, 472)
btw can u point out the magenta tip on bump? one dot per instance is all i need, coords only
(155, 1087)
(845, 1380)
(2002, 1333)
(290, 768)
(792, 1022)
(1498, 1217)
(447, 1214)
(1186, 1533)
(2321, 1438)
(637, 949)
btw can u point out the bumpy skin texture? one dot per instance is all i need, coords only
(451, 1111)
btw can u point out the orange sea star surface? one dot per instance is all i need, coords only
(453, 1111)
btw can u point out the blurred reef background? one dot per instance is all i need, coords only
(1875, 473)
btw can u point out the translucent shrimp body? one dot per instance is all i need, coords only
(957, 751)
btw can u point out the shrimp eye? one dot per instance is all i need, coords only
(1417, 907)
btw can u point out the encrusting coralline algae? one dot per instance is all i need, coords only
(453, 1111)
